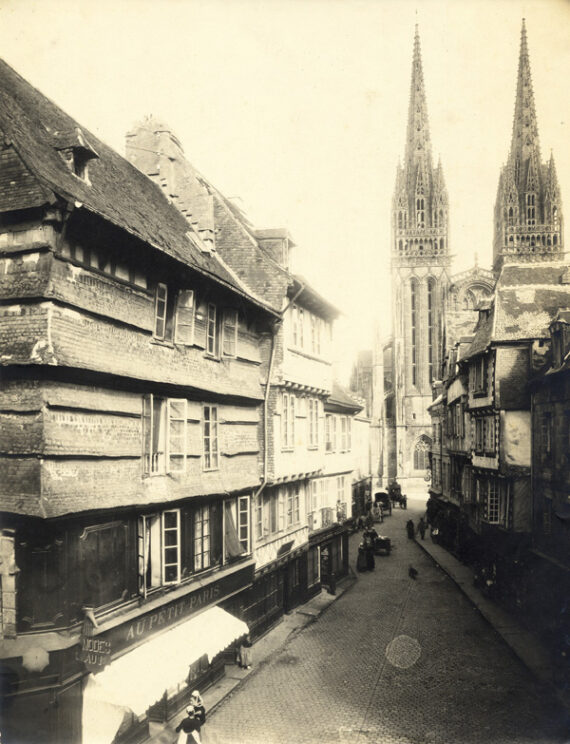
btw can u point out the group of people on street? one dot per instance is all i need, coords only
(365, 560)
(189, 728)
(412, 531)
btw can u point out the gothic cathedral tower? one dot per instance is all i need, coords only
(419, 271)
(528, 211)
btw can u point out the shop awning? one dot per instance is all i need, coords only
(139, 678)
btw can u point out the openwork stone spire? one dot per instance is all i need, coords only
(420, 202)
(418, 144)
(528, 210)
(525, 145)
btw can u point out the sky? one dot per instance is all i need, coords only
(297, 109)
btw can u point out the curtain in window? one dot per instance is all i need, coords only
(233, 546)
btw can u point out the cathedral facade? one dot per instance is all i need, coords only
(423, 294)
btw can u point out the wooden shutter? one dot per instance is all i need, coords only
(185, 317)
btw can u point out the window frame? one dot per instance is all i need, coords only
(155, 523)
(212, 331)
(201, 538)
(243, 508)
(164, 313)
(211, 454)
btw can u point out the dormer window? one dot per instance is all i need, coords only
(75, 152)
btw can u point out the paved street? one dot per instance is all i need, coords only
(392, 660)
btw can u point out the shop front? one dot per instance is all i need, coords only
(330, 545)
(142, 670)
(154, 680)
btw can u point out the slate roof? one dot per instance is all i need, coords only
(342, 398)
(527, 299)
(302, 290)
(34, 129)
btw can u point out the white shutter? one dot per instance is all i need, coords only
(185, 317)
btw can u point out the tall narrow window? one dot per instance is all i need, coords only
(531, 209)
(159, 549)
(301, 327)
(160, 311)
(420, 212)
(171, 546)
(431, 325)
(230, 333)
(414, 329)
(211, 456)
(212, 331)
(313, 422)
(328, 432)
(493, 501)
(154, 434)
(243, 522)
(295, 324)
(201, 538)
(291, 436)
(285, 425)
(343, 443)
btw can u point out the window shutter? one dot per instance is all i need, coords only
(146, 431)
(177, 417)
(185, 317)
(230, 328)
(281, 510)
(160, 310)
(212, 330)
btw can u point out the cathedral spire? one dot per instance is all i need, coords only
(525, 148)
(528, 209)
(420, 203)
(418, 145)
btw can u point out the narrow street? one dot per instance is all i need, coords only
(392, 660)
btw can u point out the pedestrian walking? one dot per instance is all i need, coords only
(422, 528)
(188, 729)
(410, 529)
(368, 537)
(245, 653)
(199, 709)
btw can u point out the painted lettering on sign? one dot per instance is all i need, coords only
(168, 615)
(95, 652)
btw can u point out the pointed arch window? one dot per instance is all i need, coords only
(431, 326)
(420, 212)
(421, 453)
(555, 217)
(531, 209)
(400, 220)
(511, 217)
(414, 328)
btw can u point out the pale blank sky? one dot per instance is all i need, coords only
(300, 108)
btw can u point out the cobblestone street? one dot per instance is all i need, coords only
(392, 660)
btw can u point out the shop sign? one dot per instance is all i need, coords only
(146, 625)
(95, 653)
